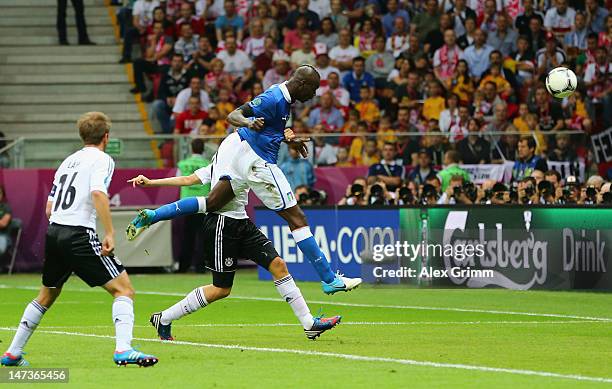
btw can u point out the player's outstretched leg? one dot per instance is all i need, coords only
(330, 282)
(313, 326)
(123, 316)
(147, 217)
(32, 315)
(195, 300)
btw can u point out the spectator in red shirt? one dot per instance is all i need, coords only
(189, 121)
(263, 61)
(187, 17)
(293, 38)
(159, 15)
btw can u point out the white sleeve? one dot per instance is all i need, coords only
(247, 61)
(346, 99)
(181, 102)
(204, 174)
(137, 10)
(589, 73)
(436, 58)
(444, 121)
(548, 19)
(332, 53)
(442, 199)
(205, 101)
(102, 174)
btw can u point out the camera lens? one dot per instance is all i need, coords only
(591, 192)
(356, 189)
(376, 190)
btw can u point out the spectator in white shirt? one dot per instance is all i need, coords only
(342, 97)
(237, 62)
(320, 7)
(305, 55)
(560, 19)
(254, 44)
(342, 55)
(182, 99)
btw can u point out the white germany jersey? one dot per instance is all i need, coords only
(83, 172)
(236, 207)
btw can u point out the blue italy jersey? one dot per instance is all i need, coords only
(275, 107)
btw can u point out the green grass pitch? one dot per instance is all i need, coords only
(390, 337)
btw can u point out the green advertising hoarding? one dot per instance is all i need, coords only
(513, 247)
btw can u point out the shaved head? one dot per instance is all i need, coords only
(304, 83)
(307, 73)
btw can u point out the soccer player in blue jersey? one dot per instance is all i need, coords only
(249, 160)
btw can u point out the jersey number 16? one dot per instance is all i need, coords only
(65, 198)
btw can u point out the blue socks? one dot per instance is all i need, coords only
(187, 206)
(306, 242)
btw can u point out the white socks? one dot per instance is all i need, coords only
(29, 321)
(292, 295)
(123, 317)
(191, 303)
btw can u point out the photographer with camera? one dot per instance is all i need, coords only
(307, 196)
(605, 194)
(430, 193)
(571, 192)
(458, 192)
(377, 194)
(527, 191)
(498, 195)
(355, 193)
(590, 193)
(407, 194)
(547, 193)
(302, 195)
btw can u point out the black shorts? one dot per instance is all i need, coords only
(76, 249)
(226, 240)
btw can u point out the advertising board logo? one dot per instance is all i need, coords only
(508, 258)
(350, 244)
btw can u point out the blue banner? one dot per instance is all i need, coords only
(345, 236)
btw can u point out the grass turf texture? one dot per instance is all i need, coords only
(561, 345)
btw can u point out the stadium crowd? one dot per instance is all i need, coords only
(412, 89)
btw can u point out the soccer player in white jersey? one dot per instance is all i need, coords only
(247, 158)
(80, 195)
(230, 235)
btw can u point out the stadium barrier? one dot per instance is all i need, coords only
(513, 247)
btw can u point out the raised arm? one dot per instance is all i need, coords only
(170, 181)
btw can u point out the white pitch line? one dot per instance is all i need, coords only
(352, 357)
(358, 305)
(349, 323)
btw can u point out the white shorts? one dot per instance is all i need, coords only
(236, 161)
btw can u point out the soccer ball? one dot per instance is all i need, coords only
(561, 82)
